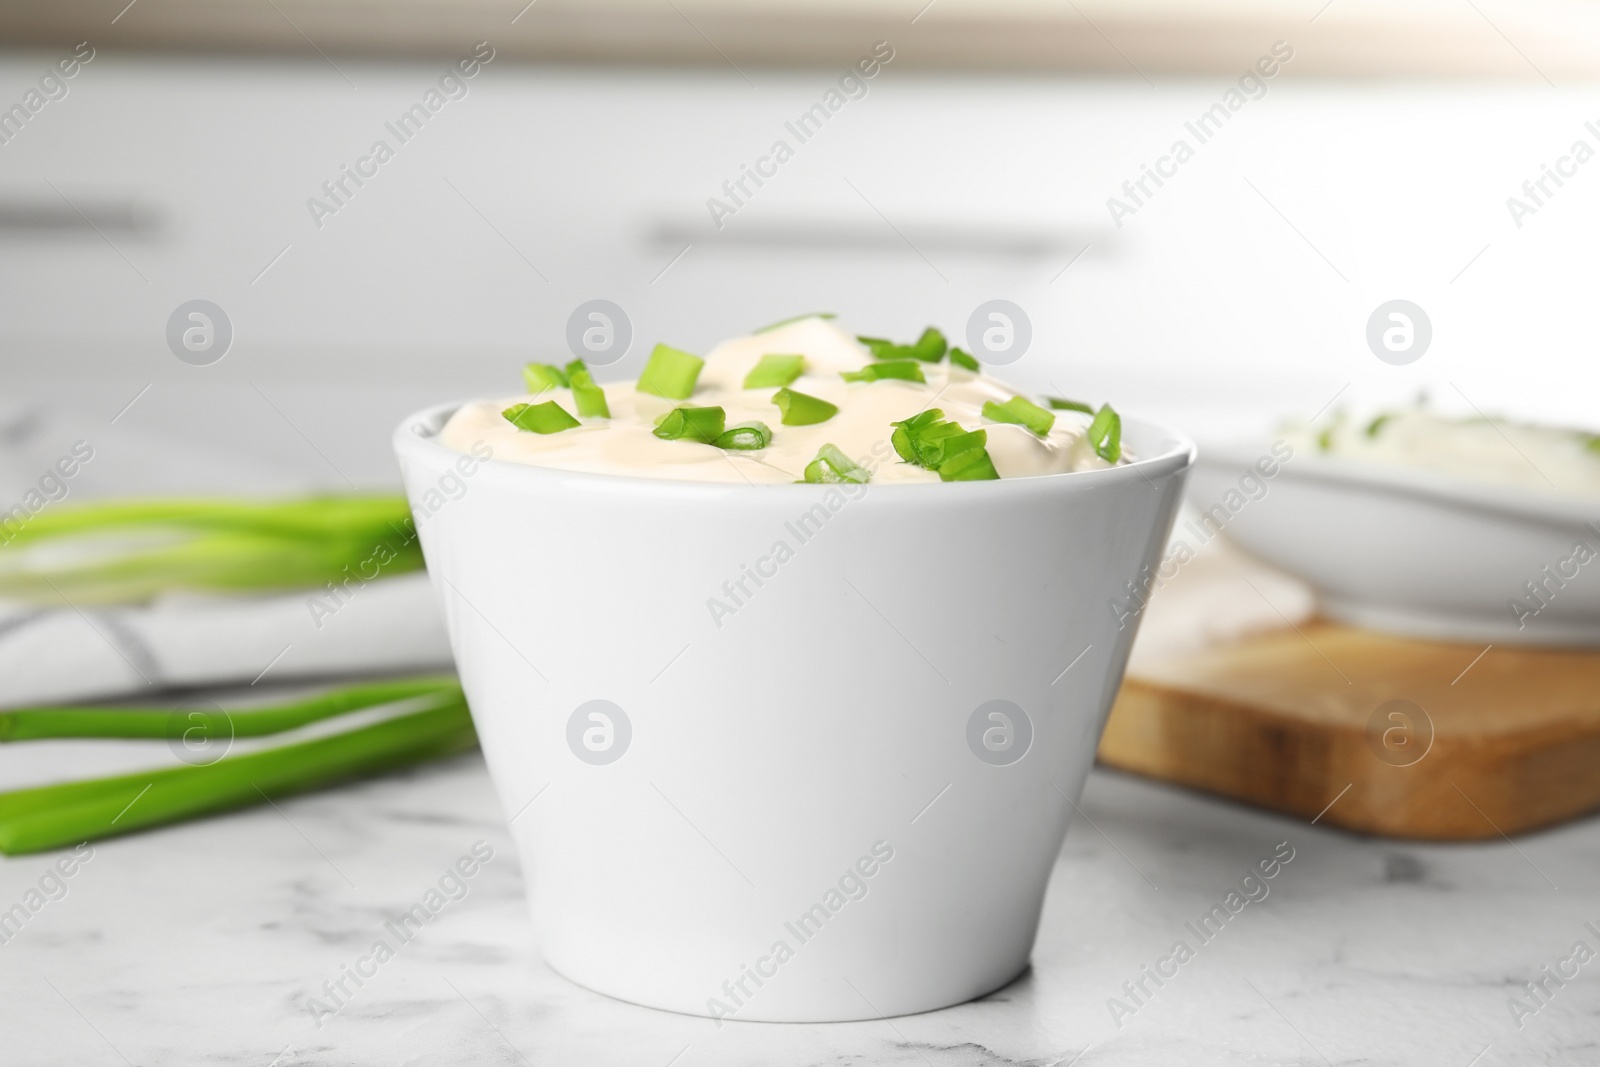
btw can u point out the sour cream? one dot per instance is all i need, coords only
(1495, 451)
(626, 444)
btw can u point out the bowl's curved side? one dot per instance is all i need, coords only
(808, 782)
(1389, 553)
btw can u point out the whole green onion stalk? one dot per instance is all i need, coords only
(56, 816)
(124, 552)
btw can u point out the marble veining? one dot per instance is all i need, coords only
(201, 944)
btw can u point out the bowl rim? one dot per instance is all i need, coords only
(417, 435)
(1412, 482)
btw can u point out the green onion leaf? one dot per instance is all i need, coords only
(548, 417)
(671, 372)
(1020, 411)
(745, 437)
(1593, 443)
(1376, 425)
(774, 371)
(1058, 404)
(962, 358)
(901, 369)
(542, 377)
(930, 347)
(691, 424)
(797, 318)
(589, 397)
(958, 455)
(832, 465)
(799, 409)
(1105, 434)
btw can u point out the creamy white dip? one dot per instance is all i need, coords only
(626, 443)
(1495, 451)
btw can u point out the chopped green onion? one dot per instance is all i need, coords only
(797, 318)
(962, 358)
(775, 371)
(542, 377)
(958, 455)
(969, 465)
(548, 417)
(800, 409)
(1593, 443)
(902, 369)
(671, 372)
(1105, 434)
(691, 424)
(1059, 404)
(589, 397)
(930, 347)
(1376, 425)
(745, 437)
(1022, 412)
(832, 465)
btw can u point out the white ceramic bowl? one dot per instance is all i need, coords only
(1411, 551)
(797, 772)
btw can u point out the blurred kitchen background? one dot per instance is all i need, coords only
(177, 164)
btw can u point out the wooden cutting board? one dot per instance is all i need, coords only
(1377, 734)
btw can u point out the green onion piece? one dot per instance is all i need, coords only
(930, 347)
(589, 397)
(1058, 404)
(971, 465)
(962, 358)
(800, 409)
(901, 369)
(542, 377)
(832, 465)
(548, 417)
(691, 424)
(57, 816)
(745, 437)
(1022, 412)
(1376, 425)
(958, 455)
(1105, 434)
(671, 372)
(1593, 443)
(797, 318)
(774, 371)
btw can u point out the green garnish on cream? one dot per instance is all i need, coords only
(774, 371)
(745, 437)
(801, 409)
(957, 455)
(548, 417)
(1058, 404)
(671, 373)
(1105, 434)
(832, 465)
(692, 424)
(542, 377)
(1020, 411)
(929, 348)
(961, 358)
(901, 369)
(589, 397)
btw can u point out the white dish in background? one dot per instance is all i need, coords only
(1411, 551)
(824, 724)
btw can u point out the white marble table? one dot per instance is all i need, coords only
(200, 944)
